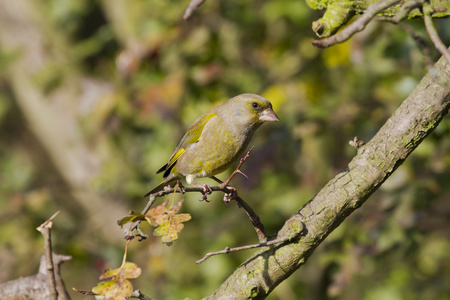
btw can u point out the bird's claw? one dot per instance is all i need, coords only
(206, 191)
(181, 187)
(228, 197)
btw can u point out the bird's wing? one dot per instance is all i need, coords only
(191, 137)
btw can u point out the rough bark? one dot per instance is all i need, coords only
(418, 115)
(36, 287)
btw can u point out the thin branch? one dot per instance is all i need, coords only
(258, 226)
(356, 142)
(356, 26)
(223, 187)
(192, 8)
(45, 230)
(281, 240)
(254, 218)
(138, 295)
(238, 169)
(421, 42)
(427, 11)
(86, 293)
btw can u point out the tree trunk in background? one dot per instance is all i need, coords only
(50, 95)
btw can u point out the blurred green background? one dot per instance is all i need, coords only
(94, 96)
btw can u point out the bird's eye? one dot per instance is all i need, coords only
(255, 105)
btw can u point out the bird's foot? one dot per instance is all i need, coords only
(228, 197)
(181, 187)
(206, 190)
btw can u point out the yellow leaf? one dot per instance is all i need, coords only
(131, 270)
(128, 270)
(114, 289)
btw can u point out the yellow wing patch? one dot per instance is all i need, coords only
(173, 161)
(191, 137)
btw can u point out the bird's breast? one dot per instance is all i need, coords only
(216, 150)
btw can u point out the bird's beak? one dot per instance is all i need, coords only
(268, 115)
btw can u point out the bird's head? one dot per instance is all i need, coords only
(252, 109)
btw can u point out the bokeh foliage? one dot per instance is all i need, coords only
(157, 74)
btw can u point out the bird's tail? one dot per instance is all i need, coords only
(168, 180)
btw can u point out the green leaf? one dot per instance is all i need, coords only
(133, 217)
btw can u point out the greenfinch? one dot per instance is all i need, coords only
(216, 139)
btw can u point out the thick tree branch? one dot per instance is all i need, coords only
(403, 11)
(356, 26)
(375, 161)
(339, 12)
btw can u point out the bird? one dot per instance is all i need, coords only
(215, 140)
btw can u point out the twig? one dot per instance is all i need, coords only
(192, 8)
(247, 247)
(177, 189)
(258, 226)
(86, 293)
(223, 187)
(238, 169)
(138, 295)
(356, 26)
(427, 11)
(45, 229)
(254, 218)
(422, 43)
(152, 199)
(356, 142)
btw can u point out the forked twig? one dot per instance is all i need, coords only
(295, 229)
(236, 249)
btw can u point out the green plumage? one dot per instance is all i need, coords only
(216, 139)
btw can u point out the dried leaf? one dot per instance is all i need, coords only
(175, 208)
(157, 216)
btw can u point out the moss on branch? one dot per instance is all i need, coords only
(339, 12)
